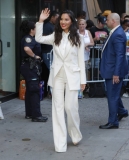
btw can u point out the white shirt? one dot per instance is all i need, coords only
(86, 40)
(63, 42)
(114, 29)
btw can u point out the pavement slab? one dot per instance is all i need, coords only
(22, 139)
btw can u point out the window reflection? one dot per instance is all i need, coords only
(60, 5)
(29, 9)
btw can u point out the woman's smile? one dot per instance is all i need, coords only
(65, 22)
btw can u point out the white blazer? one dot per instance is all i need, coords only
(73, 60)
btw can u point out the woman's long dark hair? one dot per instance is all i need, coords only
(26, 26)
(73, 35)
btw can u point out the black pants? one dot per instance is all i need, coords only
(32, 99)
(44, 77)
(32, 96)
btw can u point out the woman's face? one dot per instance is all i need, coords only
(82, 25)
(65, 22)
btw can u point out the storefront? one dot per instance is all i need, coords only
(7, 50)
(12, 13)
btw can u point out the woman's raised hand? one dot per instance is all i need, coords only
(44, 14)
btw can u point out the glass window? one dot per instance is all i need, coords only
(7, 48)
(74, 5)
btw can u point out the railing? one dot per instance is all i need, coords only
(93, 69)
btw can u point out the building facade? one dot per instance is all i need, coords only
(12, 13)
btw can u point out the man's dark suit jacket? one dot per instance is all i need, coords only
(113, 57)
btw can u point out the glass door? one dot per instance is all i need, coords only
(7, 48)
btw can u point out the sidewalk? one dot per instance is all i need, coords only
(21, 139)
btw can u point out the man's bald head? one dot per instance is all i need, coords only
(115, 17)
(113, 20)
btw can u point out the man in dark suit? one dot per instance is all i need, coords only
(113, 69)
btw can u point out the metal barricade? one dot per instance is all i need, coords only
(127, 58)
(50, 57)
(93, 71)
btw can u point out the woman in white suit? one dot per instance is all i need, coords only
(67, 76)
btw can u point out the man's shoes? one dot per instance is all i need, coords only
(120, 116)
(108, 126)
(28, 117)
(39, 119)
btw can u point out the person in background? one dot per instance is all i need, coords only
(48, 29)
(89, 24)
(30, 70)
(125, 26)
(67, 76)
(122, 17)
(98, 15)
(88, 40)
(106, 13)
(49, 26)
(99, 34)
(99, 30)
(81, 15)
(126, 17)
(113, 69)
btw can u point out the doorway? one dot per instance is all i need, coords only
(7, 49)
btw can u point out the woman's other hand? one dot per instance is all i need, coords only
(44, 15)
(83, 87)
(87, 49)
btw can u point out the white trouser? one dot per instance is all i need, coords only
(69, 102)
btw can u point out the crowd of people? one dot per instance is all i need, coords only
(65, 49)
(98, 34)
